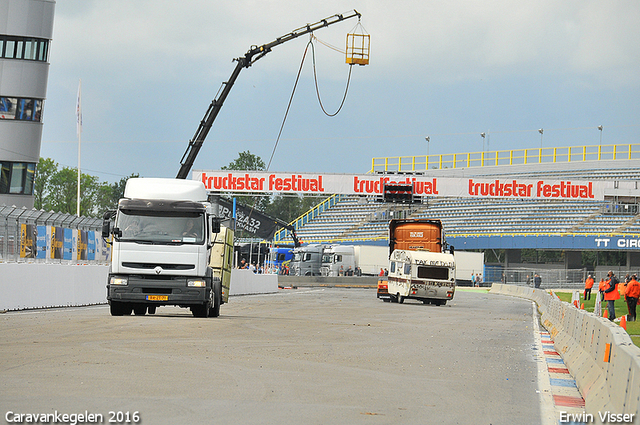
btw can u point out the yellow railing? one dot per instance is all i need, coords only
(510, 157)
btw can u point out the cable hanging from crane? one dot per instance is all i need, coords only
(315, 79)
(284, 120)
(350, 61)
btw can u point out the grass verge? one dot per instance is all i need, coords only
(633, 328)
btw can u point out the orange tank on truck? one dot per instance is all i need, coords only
(416, 235)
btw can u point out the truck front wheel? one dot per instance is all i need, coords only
(116, 308)
(140, 310)
(217, 299)
(203, 310)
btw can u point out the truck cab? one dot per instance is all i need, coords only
(306, 261)
(167, 249)
(335, 257)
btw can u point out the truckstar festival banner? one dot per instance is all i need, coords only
(365, 184)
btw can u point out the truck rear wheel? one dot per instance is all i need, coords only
(400, 299)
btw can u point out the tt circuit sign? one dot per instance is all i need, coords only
(365, 184)
(537, 241)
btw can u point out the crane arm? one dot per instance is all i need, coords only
(254, 53)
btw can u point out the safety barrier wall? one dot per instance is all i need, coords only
(42, 285)
(598, 353)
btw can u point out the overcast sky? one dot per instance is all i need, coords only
(449, 70)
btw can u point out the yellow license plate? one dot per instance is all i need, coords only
(157, 297)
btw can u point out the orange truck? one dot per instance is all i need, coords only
(419, 267)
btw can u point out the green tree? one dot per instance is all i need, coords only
(64, 184)
(246, 161)
(108, 195)
(45, 169)
(57, 190)
(288, 208)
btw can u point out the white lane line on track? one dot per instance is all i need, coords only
(547, 406)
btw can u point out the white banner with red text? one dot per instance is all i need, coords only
(366, 184)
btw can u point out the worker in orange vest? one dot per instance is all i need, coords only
(632, 295)
(588, 284)
(611, 294)
(601, 287)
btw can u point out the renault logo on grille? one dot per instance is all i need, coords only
(158, 270)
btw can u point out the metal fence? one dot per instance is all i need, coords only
(551, 278)
(30, 235)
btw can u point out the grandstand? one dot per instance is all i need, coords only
(487, 223)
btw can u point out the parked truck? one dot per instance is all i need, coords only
(468, 265)
(278, 257)
(167, 249)
(306, 260)
(419, 267)
(369, 259)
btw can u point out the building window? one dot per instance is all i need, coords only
(17, 178)
(18, 108)
(27, 48)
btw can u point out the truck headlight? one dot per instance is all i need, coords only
(115, 280)
(200, 283)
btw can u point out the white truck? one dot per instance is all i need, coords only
(468, 264)
(419, 267)
(306, 260)
(369, 258)
(168, 248)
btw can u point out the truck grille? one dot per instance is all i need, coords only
(151, 266)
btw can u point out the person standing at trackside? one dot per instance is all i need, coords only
(537, 280)
(588, 284)
(601, 287)
(611, 294)
(632, 295)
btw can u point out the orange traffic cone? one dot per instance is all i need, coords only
(623, 322)
(582, 306)
(575, 302)
(606, 314)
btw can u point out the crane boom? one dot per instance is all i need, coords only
(254, 53)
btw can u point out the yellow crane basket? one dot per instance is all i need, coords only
(358, 47)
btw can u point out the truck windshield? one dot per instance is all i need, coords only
(161, 227)
(327, 258)
(439, 273)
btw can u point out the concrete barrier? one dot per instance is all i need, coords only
(336, 281)
(245, 282)
(41, 285)
(598, 353)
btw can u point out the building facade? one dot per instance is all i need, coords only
(26, 28)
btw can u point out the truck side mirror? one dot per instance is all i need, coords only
(215, 225)
(106, 223)
(106, 226)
